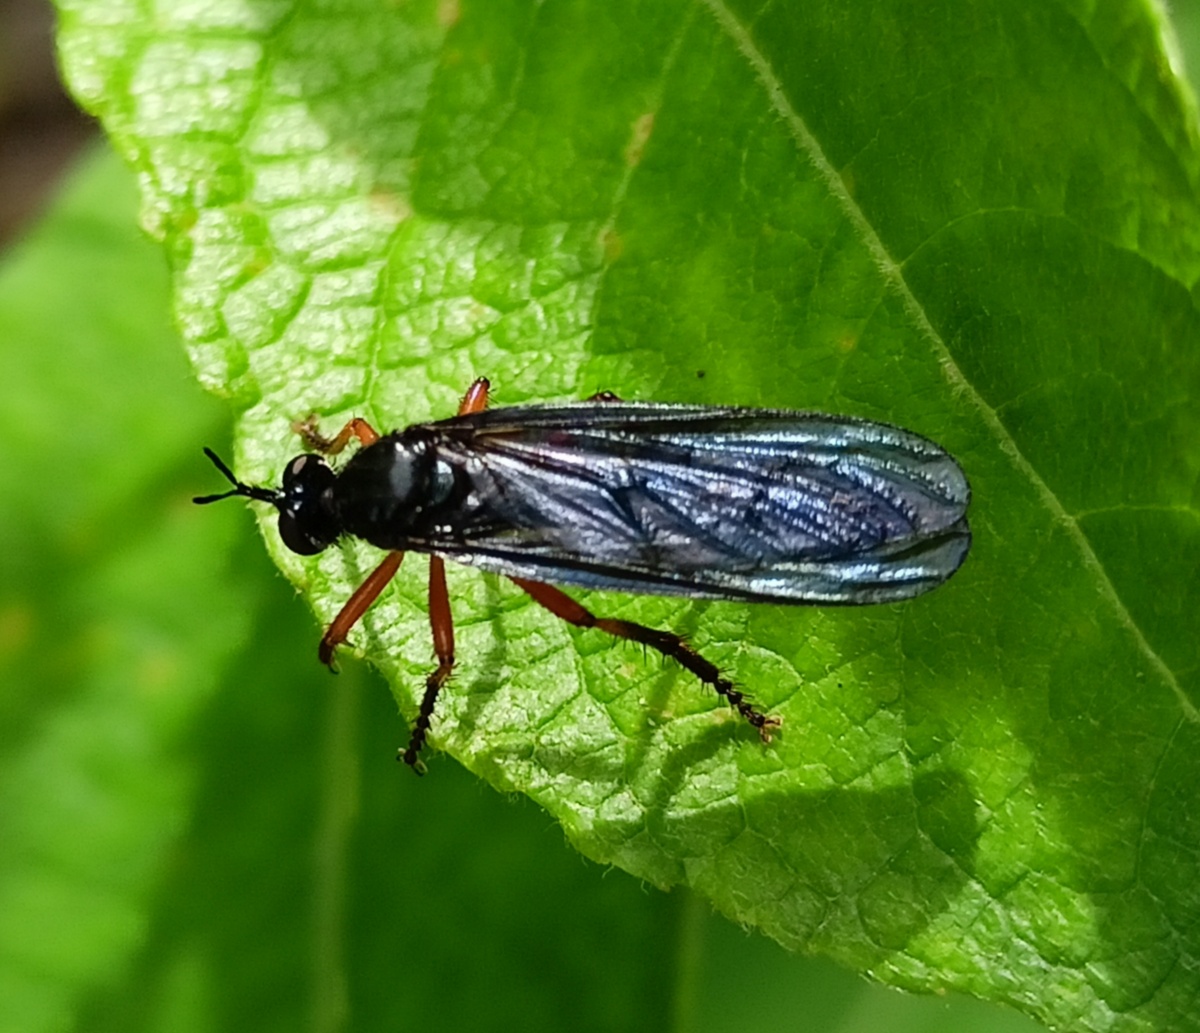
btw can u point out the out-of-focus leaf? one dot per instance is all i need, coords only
(110, 642)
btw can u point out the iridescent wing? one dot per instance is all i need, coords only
(724, 503)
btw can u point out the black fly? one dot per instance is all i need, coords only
(711, 503)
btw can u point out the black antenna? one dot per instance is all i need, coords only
(246, 490)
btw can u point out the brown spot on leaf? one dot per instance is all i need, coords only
(643, 127)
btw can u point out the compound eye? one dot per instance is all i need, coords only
(306, 522)
(308, 474)
(297, 537)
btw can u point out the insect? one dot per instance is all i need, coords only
(754, 505)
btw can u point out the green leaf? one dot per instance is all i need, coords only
(975, 220)
(199, 828)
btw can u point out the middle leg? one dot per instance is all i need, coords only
(441, 623)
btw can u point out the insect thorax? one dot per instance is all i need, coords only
(395, 490)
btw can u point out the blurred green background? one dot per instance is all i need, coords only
(199, 828)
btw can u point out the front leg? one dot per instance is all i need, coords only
(357, 605)
(314, 441)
